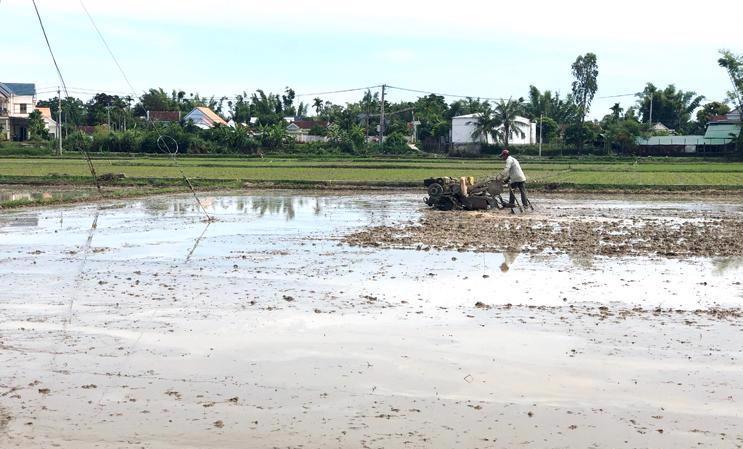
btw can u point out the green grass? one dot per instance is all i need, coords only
(592, 173)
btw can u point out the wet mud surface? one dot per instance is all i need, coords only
(593, 226)
(267, 329)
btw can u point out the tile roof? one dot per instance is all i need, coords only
(164, 116)
(211, 115)
(309, 124)
(45, 112)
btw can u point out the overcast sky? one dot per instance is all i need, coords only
(477, 48)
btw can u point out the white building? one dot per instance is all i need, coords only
(204, 118)
(17, 101)
(49, 123)
(463, 126)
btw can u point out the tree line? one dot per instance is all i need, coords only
(259, 117)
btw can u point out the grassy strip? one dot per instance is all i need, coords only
(698, 175)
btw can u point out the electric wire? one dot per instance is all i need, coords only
(405, 89)
(162, 140)
(105, 44)
(64, 84)
(337, 91)
(49, 46)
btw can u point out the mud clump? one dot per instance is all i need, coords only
(665, 236)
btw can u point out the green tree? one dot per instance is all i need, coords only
(547, 104)
(577, 135)
(734, 65)
(36, 126)
(616, 112)
(240, 108)
(548, 130)
(506, 114)
(710, 110)
(621, 135)
(317, 105)
(274, 136)
(586, 72)
(485, 125)
(671, 107)
(74, 112)
(500, 123)
(705, 114)
(267, 108)
(431, 111)
(155, 100)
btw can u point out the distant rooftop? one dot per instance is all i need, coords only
(20, 88)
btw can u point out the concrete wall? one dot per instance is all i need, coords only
(15, 105)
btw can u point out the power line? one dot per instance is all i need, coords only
(338, 91)
(105, 44)
(620, 95)
(443, 94)
(48, 45)
(162, 140)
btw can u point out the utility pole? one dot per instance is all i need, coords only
(381, 120)
(415, 129)
(541, 131)
(59, 121)
(652, 94)
(108, 113)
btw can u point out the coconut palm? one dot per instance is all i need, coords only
(485, 124)
(317, 103)
(506, 116)
(500, 123)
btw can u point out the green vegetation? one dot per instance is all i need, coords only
(233, 172)
(113, 123)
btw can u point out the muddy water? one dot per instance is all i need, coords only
(264, 329)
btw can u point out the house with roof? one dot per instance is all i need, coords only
(49, 123)
(204, 118)
(660, 128)
(17, 101)
(301, 130)
(163, 116)
(721, 133)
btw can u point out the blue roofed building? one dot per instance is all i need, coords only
(17, 101)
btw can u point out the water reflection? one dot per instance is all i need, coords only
(509, 257)
(276, 206)
(288, 206)
(725, 264)
(582, 259)
(39, 196)
(19, 221)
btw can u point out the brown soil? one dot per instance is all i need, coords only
(668, 233)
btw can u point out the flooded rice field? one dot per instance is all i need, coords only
(297, 320)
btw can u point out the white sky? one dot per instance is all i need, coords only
(490, 49)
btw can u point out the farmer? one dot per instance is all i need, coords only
(515, 176)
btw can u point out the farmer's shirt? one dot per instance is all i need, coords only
(513, 170)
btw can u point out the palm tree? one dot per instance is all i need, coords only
(506, 115)
(317, 104)
(485, 125)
